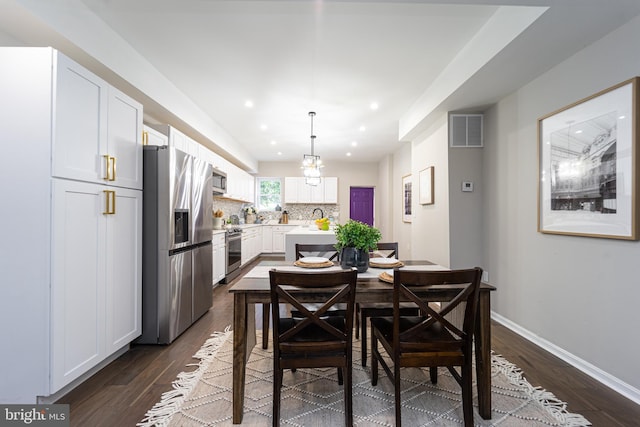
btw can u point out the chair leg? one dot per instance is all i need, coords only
(467, 394)
(265, 324)
(340, 377)
(396, 386)
(357, 311)
(363, 343)
(277, 388)
(374, 359)
(433, 374)
(348, 396)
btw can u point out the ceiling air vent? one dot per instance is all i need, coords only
(465, 130)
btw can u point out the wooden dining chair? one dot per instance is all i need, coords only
(327, 250)
(314, 340)
(366, 310)
(324, 250)
(429, 340)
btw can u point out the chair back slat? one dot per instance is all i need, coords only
(344, 283)
(409, 283)
(387, 250)
(327, 250)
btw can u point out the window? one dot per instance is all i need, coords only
(269, 193)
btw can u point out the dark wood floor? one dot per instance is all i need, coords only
(122, 392)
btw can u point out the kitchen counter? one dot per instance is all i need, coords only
(305, 235)
(310, 231)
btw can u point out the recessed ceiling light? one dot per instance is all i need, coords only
(273, 143)
(354, 143)
(622, 117)
(373, 106)
(362, 128)
(578, 131)
(248, 103)
(349, 154)
(263, 127)
(279, 153)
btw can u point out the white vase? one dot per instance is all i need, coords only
(217, 223)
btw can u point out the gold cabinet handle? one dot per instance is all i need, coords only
(110, 168)
(107, 169)
(110, 202)
(145, 138)
(113, 168)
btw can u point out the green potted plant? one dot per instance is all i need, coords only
(354, 241)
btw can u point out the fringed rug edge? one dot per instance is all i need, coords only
(556, 407)
(171, 401)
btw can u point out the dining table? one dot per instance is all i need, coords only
(253, 288)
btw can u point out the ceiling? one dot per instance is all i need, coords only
(414, 59)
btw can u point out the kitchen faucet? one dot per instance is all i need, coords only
(314, 212)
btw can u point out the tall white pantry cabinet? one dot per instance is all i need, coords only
(71, 174)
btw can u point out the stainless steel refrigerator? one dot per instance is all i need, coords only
(177, 274)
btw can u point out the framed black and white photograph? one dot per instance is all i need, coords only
(406, 198)
(426, 186)
(587, 158)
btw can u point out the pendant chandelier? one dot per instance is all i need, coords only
(311, 163)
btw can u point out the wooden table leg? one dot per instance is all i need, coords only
(266, 310)
(243, 342)
(483, 355)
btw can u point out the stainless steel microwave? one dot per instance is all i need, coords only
(219, 181)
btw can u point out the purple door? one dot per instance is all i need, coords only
(361, 204)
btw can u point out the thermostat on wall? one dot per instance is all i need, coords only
(467, 186)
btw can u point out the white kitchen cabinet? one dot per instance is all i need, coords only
(124, 269)
(240, 184)
(79, 299)
(278, 237)
(330, 189)
(150, 136)
(267, 239)
(98, 129)
(251, 243)
(219, 257)
(96, 272)
(180, 141)
(296, 190)
(291, 189)
(78, 311)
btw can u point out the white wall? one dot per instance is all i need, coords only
(430, 227)
(576, 296)
(577, 293)
(401, 230)
(384, 196)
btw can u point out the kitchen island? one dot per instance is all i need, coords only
(305, 235)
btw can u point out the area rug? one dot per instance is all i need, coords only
(312, 397)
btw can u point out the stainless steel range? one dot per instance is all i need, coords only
(233, 239)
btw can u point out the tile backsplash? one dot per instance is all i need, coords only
(296, 211)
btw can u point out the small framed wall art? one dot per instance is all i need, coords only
(588, 156)
(406, 198)
(426, 186)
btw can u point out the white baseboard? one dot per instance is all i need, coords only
(596, 373)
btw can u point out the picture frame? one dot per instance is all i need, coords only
(426, 186)
(406, 198)
(588, 157)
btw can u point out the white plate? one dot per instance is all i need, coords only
(313, 260)
(383, 261)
